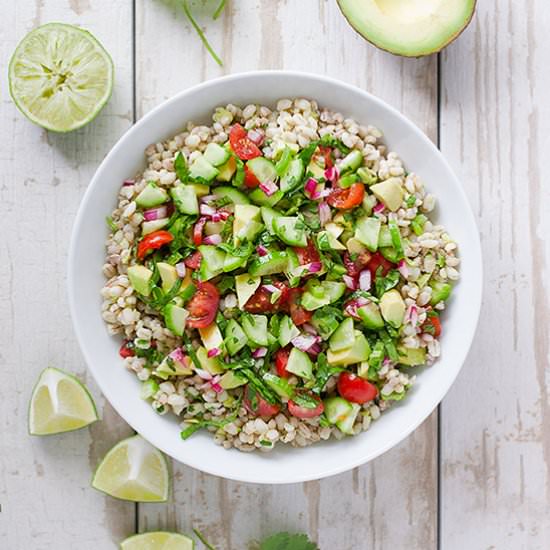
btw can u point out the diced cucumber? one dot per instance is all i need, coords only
(216, 155)
(351, 161)
(140, 277)
(148, 389)
(273, 262)
(152, 195)
(291, 230)
(300, 364)
(213, 228)
(293, 264)
(390, 254)
(345, 425)
(315, 170)
(233, 262)
(212, 262)
(248, 232)
(355, 246)
(257, 196)
(359, 352)
(255, 328)
(440, 292)
(343, 337)
(185, 199)
(279, 385)
(319, 294)
(201, 189)
(235, 338)
(411, 357)
(153, 225)
(244, 215)
(168, 275)
(245, 286)
(202, 169)
(213, 365)
(268, 215)
(293, 176)
(336, 409)
(263, 169)
(367, 175)
(369, 202)
(325, 323)
(384, 237)
(333, 231)
(234, 195)
(232, 379)
(226, 171)
(371, 317)
(367, 231)
(333, 289)
(396, 240)
(175, 318)
(287, 331)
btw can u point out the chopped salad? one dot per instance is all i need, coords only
(269, 286)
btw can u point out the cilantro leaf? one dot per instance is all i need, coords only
(180, 166)
(288, 541)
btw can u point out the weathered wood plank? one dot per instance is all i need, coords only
(45, 489)
(358, 509)
(496, 122)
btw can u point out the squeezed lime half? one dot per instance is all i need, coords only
(60, 77)
(158, 540)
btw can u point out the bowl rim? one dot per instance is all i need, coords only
(475, 298)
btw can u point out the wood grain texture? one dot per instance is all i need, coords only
(45, 494)
(359, 509)
(496, 123)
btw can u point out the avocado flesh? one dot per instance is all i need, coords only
(410, 28)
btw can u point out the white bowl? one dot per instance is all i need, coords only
(121, 388)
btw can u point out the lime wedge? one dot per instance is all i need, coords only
(59, 403)
(158, 540)
(133, 470)
(60, 77)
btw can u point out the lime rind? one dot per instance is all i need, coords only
(89, 85)
(50, 378)
(158, 540)
(125, 472)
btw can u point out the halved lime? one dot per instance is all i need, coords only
(158, 540)
(133, 470)
(59, 403)
(60, 77)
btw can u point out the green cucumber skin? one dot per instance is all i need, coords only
(271, 263)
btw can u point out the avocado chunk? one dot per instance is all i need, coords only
(245, 286)
(440, 292)
(168, 275)
(359, 352)
(226, 171)
(174, 364)
(300, 364)
(139, 277)
(232, 379)
(367, 232)
(246, 224)
(389, 192)
(407, 28)
(392, 308)
(411, 357)
(213, 365)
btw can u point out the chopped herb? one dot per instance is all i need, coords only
(238, 178)
(328, 140)
(396, 239)
(288, 541)
(389, 345)
(417, 224)
(411, 201)
(282, 165)
(306, 401)
(383, 284)
(441, 261)
(323, 373)
(111, 224)
(307, 152)
(180, 166)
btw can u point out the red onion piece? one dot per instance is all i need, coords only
(324, 213)
(181, 269)
(310, 329)
(261, 250)
(177, 355)
(155, 213)
(256, 136)
(310, 187)
(203, 374)
(305, 341)
(365, 279)
(214, 352)
(268, 187)
(411, 315)
(350, 282)
(216, 387)
(331, 174)
(206, 210)
(127, 183)
(403, 268)
(271, 288)
(313, 267)
(315, 349)
(212, 239)
(378, 207)
(259, 352)
(209, 198)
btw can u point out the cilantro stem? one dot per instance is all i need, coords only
(202, 538)
(219, 9)
(201, 34)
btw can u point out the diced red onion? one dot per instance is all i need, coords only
(313, 267)
(304, 341)
(378, 207)
(271, 288)
(351, 307)
(216, 387)
(310, 187)
(315, 349)
(324, 213)
(205, 375)
(411, 315)
(207, 210)
(331, 174)
(224, 214)
(261, 250)
(269, 187)
(256, 136)
(350, 282)
(212, 239)
(403, 268)
(365, 279)
(259, 352)
(214, 352)
(310, 329)
(180, 269)
(127, 183)
(177, 355)
(387, 362)
(155, 213)
(361, 301)
(209, 198)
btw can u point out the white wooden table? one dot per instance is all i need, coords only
(476, 474)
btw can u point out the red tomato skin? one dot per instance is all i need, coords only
(203, 306)
(354, 267)
(241, 144)
(264, 409)
(308, 254)
(326, 152)
(433, 325)
(193, 261)
(281, 361)
(304, 412)
(197, 231)
(345, 199)
(298, 314)
(260, 301)
(356, 389)
(125, 351)
(250, 180)
(153, 241)
(376, 261)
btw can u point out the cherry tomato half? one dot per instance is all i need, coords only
(260, 301)
(281, 360)
(257, 405)
(432, 325)
(307, 254)
(193, 261)
(203, 306)
(360, 262)
(356, 389)
(347, 198)
(241, 144)
(377, 261)
(250, 179)
(306, 412)
(297, 312)
(152, 242)
(125, 351)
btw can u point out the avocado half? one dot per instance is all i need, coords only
(411, 28)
